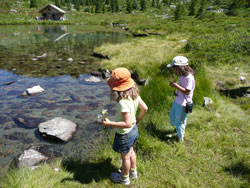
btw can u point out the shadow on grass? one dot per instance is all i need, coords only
(240, 170)
(164, 135)
(234, 93)
(85, 172)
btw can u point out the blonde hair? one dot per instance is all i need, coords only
(133, 92)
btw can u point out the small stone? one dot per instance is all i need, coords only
(184, 40)
(218, 115)
(70, 59)
(207, 101)
(24, 94)
(243, 73)
(41, 56)
(236, 68)
(56, 169)
(34, 59)
(242, 78)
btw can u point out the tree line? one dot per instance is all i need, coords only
(181, 7)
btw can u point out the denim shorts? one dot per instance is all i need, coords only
(123, 142)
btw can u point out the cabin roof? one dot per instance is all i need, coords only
(53, 6)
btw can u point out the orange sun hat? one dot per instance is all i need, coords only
(120, 80)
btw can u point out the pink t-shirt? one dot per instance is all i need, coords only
(186, 82)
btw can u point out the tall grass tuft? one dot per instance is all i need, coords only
(203, 87)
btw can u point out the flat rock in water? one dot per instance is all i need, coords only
(58, 127)
(30, 158)
(35, 90)
(92, 79)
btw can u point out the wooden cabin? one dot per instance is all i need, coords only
(52, 12)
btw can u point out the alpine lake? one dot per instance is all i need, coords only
(38, 55)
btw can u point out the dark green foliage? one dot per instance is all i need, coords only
(201, 9)
(115, 6)
(135, 4)
(129, 6)
(77, 5)
(143, 5)
(232, 8)
(57, 3)
(153, 3)
(98, 6)
(177, 12)
(192, 8)
(33, 4)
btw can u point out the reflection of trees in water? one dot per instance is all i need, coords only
(77, 46)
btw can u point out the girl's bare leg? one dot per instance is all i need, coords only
(126, 163)
(132, 158)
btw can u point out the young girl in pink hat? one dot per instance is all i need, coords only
(125, 93)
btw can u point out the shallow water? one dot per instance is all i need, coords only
(66, 93)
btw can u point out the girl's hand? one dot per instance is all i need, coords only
(106, 122)
(173, 84)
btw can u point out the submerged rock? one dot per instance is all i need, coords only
(31, 157)
(8, 83)
(58, 127)
(23, 137)
(27, 122)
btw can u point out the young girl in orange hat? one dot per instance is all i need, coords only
(125, 93)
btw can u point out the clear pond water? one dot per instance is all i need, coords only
(66, 93)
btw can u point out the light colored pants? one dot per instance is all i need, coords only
(178, 118)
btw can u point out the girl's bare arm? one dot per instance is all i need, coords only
(143, 110)
(181, 89)
(127, 123)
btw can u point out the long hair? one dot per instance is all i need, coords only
(133, 92)
(184, 70)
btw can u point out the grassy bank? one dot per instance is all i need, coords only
(216, 149)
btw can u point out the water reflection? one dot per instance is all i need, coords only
(66, 93)
(19, 50)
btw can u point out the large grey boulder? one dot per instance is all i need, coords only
(58, 127)
(30, 158)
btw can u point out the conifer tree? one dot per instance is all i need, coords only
(57, 3)
(98, 6)
(112, 6)
(33, 4)
(201, 9)
(135, 4)
(143, 5)
(117, 9)
(77, 5)
(153, 3)
(192, 8)
(177, 12)
(129, 6)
